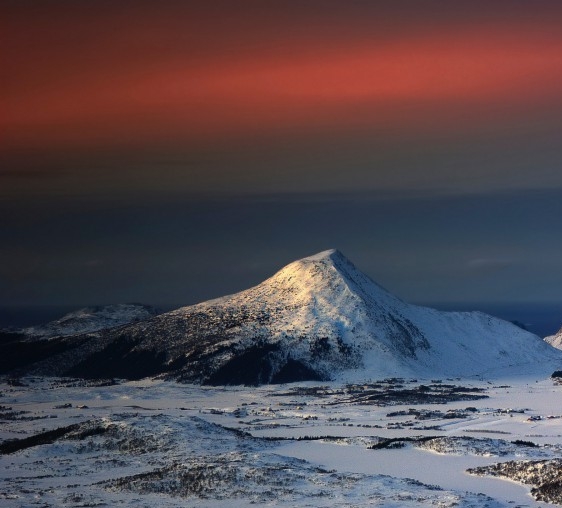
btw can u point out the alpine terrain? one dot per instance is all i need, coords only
(92, 319)
(318, 318)
(555, 340)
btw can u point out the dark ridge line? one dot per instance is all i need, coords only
(48, 437)
(386, 443)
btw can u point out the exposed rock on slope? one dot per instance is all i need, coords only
(318, 318)
(544, 475)
(555, 340)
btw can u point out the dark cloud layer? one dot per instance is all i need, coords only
(497, 247)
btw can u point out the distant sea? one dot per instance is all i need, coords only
(31, 315)
(542, 319)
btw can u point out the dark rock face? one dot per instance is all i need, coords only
(17, 353)
(251, 367)
(120, 359)
(294, 370)
(259, 365)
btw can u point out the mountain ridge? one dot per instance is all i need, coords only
(318, 318)
(91, 319)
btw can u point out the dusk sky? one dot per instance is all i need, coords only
(167, 152)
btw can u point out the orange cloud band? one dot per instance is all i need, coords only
(358, 83)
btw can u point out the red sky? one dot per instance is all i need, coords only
(97, 75)
(166, 138)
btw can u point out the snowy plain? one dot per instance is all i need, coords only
(158, 443)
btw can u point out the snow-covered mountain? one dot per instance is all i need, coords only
(317, 318)
(555, 340)
(91, 319)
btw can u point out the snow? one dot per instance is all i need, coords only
(325, 297)
(327, 254)
(317, 318)
(167, 444)
(91, 319)
(555, 340)
(411, 399)
(428, 468)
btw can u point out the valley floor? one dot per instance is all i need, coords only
(394, 443)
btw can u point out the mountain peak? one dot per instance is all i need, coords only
(332, 254)
(316, 273)
(328, 272)
(318, 318)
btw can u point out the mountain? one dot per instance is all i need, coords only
(555, 340)
(91, 319)
(318, 318)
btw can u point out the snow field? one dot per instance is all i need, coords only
(154, 442)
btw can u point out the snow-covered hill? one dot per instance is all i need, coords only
(317, 318)
(555, 340)
(141, 444)
(91, 319)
